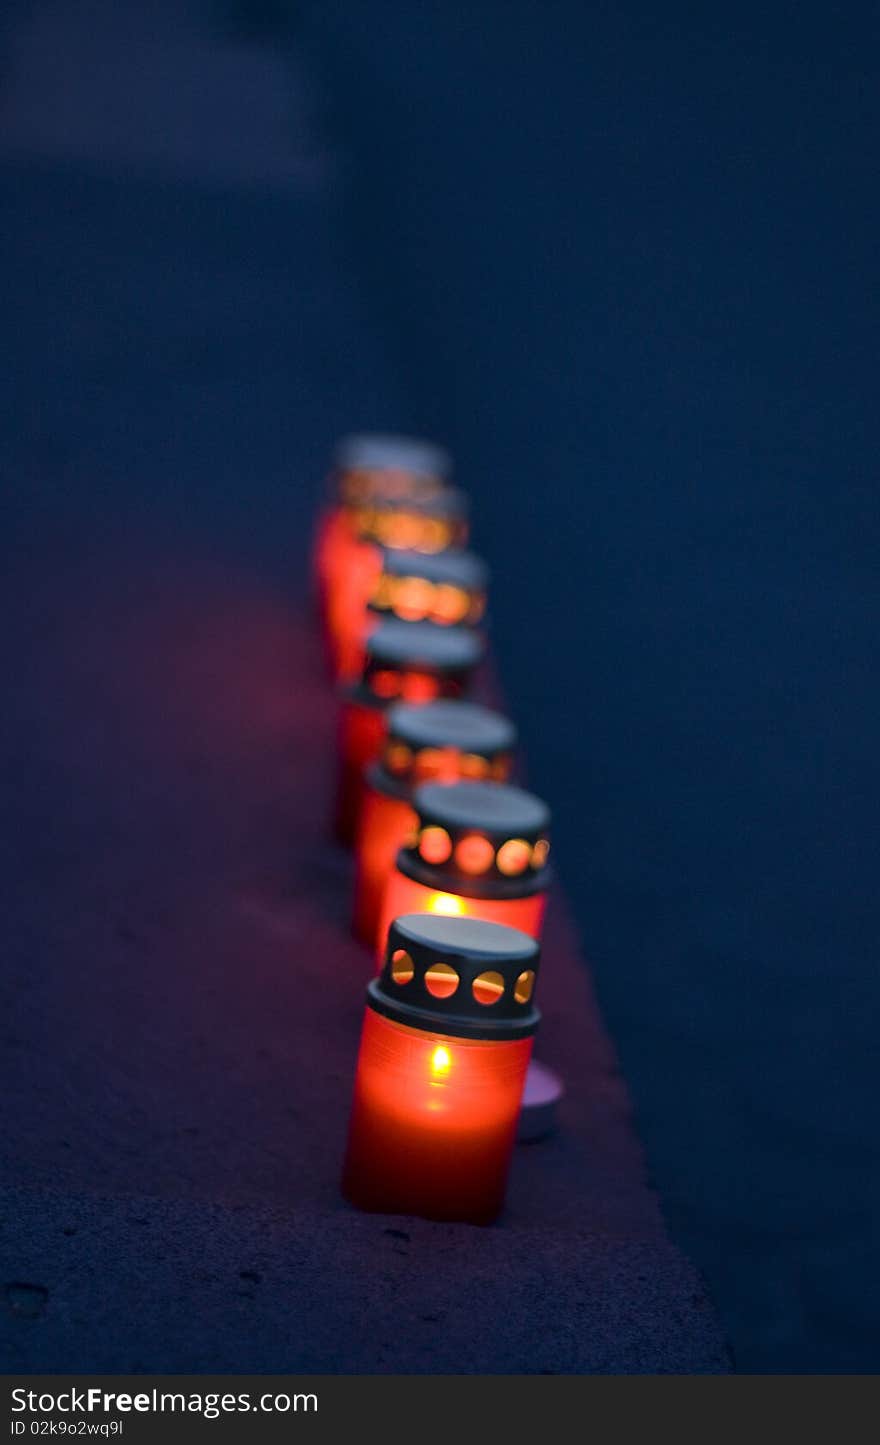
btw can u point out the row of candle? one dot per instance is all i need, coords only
(451, 857)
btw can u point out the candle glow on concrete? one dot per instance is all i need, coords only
(414, 662)
(478, 850)
(445, 1047)
(443, 742)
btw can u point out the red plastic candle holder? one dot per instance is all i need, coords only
(442, 742)
(413, 662)
(478, 850)
(365, 468)
(445, 1046)
(447, 588)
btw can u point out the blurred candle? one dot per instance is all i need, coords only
(424, 525)
(441, 742)
(478, 850)
(447, 588)
(445, 1046)
(415, 662)
(366, 467)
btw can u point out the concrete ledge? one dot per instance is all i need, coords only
(183, 1009)
(157, 1285)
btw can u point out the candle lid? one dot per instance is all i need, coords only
(423, 521)
(378, 452)
(447, 587)
(482, 840)
(462, 568)
(417, 662)
(446, 502)
(445, 740)
(458, 976)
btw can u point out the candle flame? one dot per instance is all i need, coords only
(445, 903)
(440, 1060)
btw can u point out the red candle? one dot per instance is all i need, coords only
(479, 850)
(347, 608)
(413, 662)
(447, 588)
(444, 1051)
(425, 525)
(334, 536)
(442, 742)
(366, 467)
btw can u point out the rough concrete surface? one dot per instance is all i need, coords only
(182, 1005)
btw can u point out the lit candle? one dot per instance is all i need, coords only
(415, 662)
(478, 850)
(444, 1051)
(447, 588)
(426, 525)
(442, 742)
(365, 467)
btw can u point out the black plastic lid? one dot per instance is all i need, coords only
(458, 976)
(463, 725)
(446, 587)
(425, 521)
(375, 451)
(368, 468)
(445, 741)
(455, 566)
(480, 840)
(446, 502)
(417, 662)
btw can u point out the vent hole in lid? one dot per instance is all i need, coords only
(450, 604)
(419, 687)
(412, 599)
(514, 857)
(488, 987)
(435, 845)
(474, 854)
(441, 980)
(428, 763)
(434, 536)
(386, 683)
(402, 969)
(522, 989)
(398, 758)
(473, 766)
